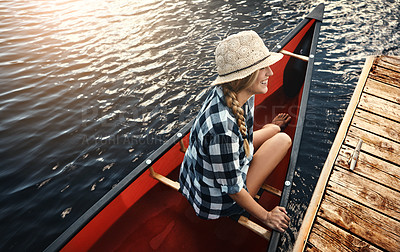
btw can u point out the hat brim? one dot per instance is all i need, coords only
(272, 59)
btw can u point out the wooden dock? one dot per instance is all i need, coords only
(359, 210)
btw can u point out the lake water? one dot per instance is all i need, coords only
(88, 89)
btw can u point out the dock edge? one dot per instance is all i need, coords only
(319, 190)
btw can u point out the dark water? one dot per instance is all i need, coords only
(88, 89)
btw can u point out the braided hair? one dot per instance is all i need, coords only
(230, 92)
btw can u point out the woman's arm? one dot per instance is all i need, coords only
(276, 219)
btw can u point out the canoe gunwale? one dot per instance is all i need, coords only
(273, 244)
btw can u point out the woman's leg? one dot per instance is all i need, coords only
(267, 157)
(269, 130)
(262, 135)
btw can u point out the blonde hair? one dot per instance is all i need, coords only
(231, 90)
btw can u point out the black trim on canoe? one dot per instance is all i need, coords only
(317, 14)
(83, 220)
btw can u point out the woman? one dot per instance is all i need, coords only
(220, 175)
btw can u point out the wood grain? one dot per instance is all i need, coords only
(389, 62)
(380, 106)
(375, 145)
(333, 153)
(372, 168)
(360, 210)
(382, 90)
(386, 70)
(380, 230)
(377, 124)
(366, 192)
(328, 237)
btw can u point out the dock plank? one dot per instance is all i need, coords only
(377, 124)
(380, 106)
(374, 144)
(380, 230)
(327, 237)
(361, 205)
(389, 62)
(372, 168)
(382, 90)
(385, 75)
(365, 191)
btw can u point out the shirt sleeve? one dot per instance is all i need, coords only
(224, 158)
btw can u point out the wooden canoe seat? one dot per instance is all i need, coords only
(297, 56)
(272, 190)
(261, 231)
(166, 181)
(183, 148)
(175, 185)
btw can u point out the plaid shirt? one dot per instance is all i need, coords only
(215, 164)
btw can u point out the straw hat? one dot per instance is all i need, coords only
(240, 55)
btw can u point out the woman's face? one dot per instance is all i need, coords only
(260, 86)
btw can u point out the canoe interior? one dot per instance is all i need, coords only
(163, 219)
(149, 216)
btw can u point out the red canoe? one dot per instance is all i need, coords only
(142, 214)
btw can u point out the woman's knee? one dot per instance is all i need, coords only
(273, 127)
(284, 140)
(280, 142)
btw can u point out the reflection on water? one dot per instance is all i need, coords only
(90, 88)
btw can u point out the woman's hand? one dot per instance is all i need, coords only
(277, 219)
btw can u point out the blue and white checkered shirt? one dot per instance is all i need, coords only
(215, 164)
